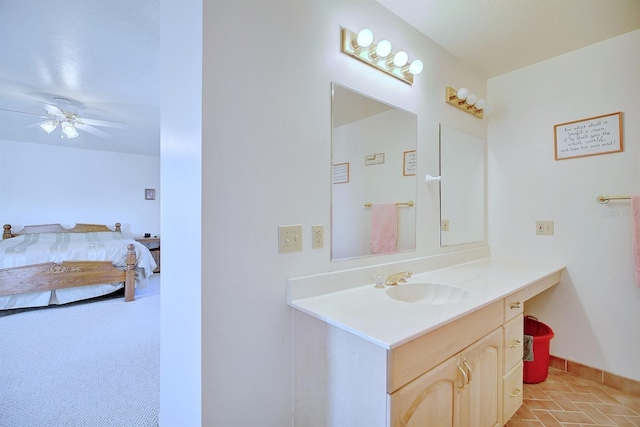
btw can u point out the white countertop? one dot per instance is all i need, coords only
(369, 313)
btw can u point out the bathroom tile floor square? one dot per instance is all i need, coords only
(566, 400)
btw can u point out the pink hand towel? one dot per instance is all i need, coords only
(384, 228)
(635, 214)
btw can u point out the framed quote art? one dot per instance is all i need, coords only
(409, 163)
(589, 137)
(340, 173)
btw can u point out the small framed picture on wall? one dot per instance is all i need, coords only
(149, 194)
(409, 163)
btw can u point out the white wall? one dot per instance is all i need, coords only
(181, 156)
(266, 152)
(43, 184)
(391, 133)
(594, 311)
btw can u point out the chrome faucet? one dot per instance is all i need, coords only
(399, 277)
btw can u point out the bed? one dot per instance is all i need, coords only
(49, 264)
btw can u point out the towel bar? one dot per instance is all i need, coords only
(604, 199)
(410, 203)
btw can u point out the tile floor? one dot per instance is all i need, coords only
(566, 400)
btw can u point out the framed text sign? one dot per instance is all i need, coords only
(589, 137)
(409, 163)
(341, 173)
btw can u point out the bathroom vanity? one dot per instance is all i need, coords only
(443, 349)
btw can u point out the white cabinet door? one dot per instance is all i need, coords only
(481, 399)
(429, 400)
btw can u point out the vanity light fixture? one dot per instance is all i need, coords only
(362, 47)
(467, 102)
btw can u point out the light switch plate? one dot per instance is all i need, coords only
(289, 238)
(444, 225)
(544, 228)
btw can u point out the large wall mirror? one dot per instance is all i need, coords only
(373, 186)
(462, 187)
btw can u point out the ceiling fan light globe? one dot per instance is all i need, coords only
(69, 130)
(49, 126)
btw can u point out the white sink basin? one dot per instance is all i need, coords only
(427, 293)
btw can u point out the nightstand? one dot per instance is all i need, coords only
(153, 243)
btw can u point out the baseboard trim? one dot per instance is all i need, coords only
(597, 375)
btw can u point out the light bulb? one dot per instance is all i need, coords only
(416, 67)
(481, 103)
(471, 99)
(383, 48)
(488, 109)
(365, 38)
(400, 59)
(462, 93)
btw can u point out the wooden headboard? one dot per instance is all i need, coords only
(56, 228)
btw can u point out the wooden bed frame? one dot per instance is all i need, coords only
(68, 274)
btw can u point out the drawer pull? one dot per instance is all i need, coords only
(516, 344)
(515, 304)
(516, 393)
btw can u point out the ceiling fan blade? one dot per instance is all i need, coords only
(24, 112)
(105, 123)
(53, 110)
(92, 130)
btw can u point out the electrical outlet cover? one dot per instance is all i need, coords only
(317, 236)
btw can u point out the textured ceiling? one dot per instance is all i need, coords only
(497, 36)
(103, 55)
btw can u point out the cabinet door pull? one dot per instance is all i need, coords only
(516, 344)
(515, 304)
(516, 393)
(464, 376)
(466, 365)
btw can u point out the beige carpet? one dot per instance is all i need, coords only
(94, 364)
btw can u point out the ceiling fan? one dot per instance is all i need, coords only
(69, 122)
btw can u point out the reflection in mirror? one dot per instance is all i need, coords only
(374, 184)
(461, 188)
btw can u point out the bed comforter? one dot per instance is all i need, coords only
(38, 248)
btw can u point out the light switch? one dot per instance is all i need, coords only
(444, 225)
(544, 228)
(289, 238)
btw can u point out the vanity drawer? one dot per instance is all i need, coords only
(408, 361)
(513, 342)
(514, 303)
(513, 306)
(512, 392)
